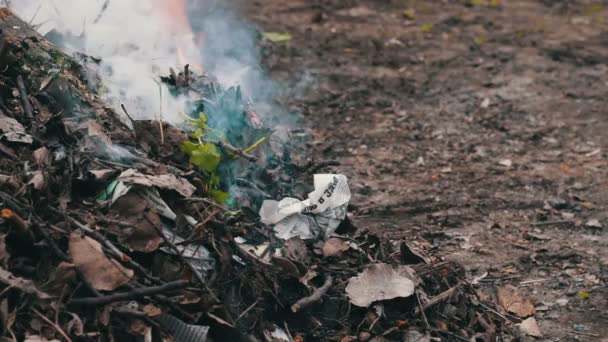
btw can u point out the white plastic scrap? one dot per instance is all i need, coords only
(197, 255)
(320, 213)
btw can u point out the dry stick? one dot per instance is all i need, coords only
(55, 326)
(314, 297)
(160, 114)
(25, 102)
(164, 300)
(246, 310)
(438, 298)
(547, 223)
(426, 321)
(234, 150)
(133, 294)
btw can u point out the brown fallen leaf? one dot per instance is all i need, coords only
(38, 180)
(63, 275)
(139, 232)
(13, 131)
(101, 272)
(510, 299)
(42, 157)
(167, 181)
(334, 247)
(95, 130)
(102, 175)
(295, 249)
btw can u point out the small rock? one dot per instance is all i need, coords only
(506, 162)
(581, 327)
(530, 327)
(567, 215)
(562, 302)
(485, 103)
(593, 223)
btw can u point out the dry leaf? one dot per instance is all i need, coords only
(41, 157)
(379, 282)
(13, 131)
(24, 285)
(38, 180)
(168, 181)
(62, 276)
(101, 175)
(151, 310)
(295, 249)
(510, 299)
(334, 247)
(95, 130)
(530, 327)
(141, 235)
(101, 272)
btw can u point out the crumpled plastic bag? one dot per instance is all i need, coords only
(319, 214)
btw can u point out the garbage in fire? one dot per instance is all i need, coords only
(162, 240)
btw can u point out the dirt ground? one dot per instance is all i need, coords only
(476, 129)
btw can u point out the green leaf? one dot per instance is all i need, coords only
(426, 28)
(219, 195)
(479, 40)
(188, 147)
(198, 134)
(277, 37)
(206, 157)
(203, 117)
(584, 295)
(409, 14)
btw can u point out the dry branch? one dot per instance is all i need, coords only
(314, 297)
(133, 294)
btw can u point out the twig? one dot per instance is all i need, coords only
(55, 326)
(426, 321)
(547, 223)
(25, 102)
(438, 298)
(314, 297)
(533, 281)
(160, 113)
(35, 15)
(104, 7)
(127, 114)
(247, 310)
(133, 294)
(583, 333)
(234, 150)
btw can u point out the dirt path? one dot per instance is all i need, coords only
(478, 131)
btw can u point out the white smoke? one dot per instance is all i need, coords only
(137, 41)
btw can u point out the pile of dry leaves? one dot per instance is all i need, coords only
(108, 232)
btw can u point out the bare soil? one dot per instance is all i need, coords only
(477, 131)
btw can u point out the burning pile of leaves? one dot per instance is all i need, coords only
(142, 231)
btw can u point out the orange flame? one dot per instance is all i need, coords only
(174, 14)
